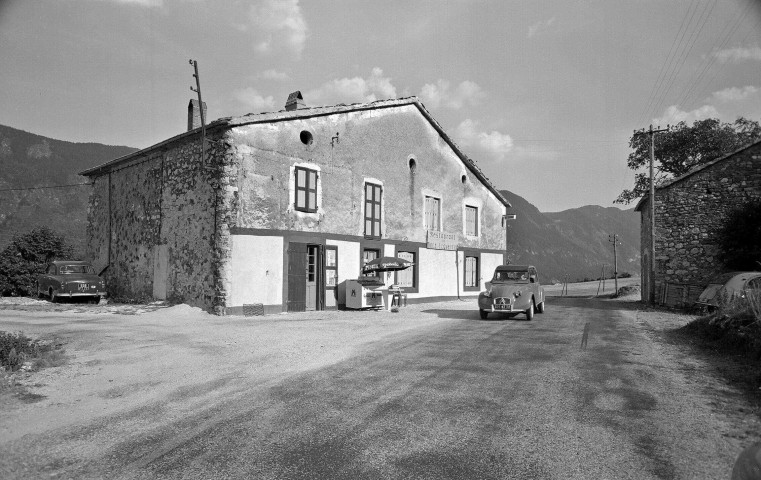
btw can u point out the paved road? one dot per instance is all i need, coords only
(462, 398)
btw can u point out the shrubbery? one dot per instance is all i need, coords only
(17, 348)
(740, 238)
(26, 257)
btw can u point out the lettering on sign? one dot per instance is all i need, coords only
(441, 240)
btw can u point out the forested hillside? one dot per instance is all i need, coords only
(36, 178)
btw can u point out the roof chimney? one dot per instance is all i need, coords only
(194, 114)
(295, 101)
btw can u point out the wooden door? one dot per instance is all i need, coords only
(297, 276)
(311, 277)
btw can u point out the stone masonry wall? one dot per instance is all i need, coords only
(689, 214)
(162, 200)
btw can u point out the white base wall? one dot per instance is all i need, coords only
(256, 270)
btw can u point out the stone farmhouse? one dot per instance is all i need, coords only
(689, 211)
(286, 206)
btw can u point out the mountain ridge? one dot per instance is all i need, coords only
(572, 243)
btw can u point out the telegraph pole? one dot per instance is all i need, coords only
(651, 267)
(197, 89)
(614, 239)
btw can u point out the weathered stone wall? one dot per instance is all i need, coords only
(690, 213)
(165, 198)
(348, 148)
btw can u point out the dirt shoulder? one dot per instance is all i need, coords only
(120, 362)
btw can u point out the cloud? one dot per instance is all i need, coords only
(674, 115)
(278, 24)
(734, 94)
(739, 54)
(251, 99)
(439, 94)
(273, 74)
(495, 144)
(539, 26)
(352, 90)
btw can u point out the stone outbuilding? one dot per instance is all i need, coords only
(286, 206)
(689, 212)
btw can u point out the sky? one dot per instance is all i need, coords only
(542, 94)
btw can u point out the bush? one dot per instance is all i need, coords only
(15, 349)
(26, 257)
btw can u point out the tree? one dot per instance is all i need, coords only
(684, 147)
(740, 238)
(27, 256)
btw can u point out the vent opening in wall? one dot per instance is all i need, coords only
(464, 179)
(413, 165)
(306, 137)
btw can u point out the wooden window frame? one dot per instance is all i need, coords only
(362, 249)
(477, 287)
(370, 216)
(306, 188)
(415, 288)
(327, 267)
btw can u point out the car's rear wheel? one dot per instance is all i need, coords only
(53, 294)
(483, 314)
(530, 312)
(540, 308)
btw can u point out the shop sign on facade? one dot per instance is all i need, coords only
(441, 240)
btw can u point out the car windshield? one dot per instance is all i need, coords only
(65, 269)
(510, 276)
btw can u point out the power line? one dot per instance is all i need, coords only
(667, 61)
(702, 19)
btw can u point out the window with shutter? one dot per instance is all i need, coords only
(432, 212)
(306, 189)
(471, 221)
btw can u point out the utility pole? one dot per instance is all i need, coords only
(651, 267)
(197, 89)
(614, 239)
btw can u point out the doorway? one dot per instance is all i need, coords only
(306, 278)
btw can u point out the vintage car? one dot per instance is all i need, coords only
(70, 279)
(726, 287)
(512, 290)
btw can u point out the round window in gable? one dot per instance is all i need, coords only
(413, 166)
(306, 137)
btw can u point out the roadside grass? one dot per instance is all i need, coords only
(20, 354)
(732, 332)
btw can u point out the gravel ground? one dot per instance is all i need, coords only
(127, 363)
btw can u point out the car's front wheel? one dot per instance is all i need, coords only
(530, 312)
(483, 314)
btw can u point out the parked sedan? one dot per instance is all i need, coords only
(726, 287)
(70, 279)
(512, 290)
